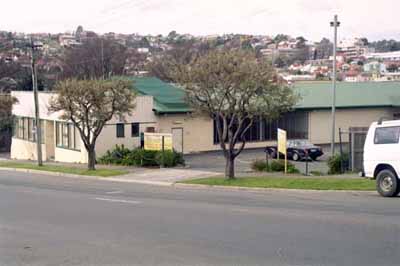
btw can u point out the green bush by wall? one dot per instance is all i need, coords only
(140, 157)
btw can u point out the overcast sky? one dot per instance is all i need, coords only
(370, 18)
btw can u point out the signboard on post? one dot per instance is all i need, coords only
(157, 141)
(282, 148)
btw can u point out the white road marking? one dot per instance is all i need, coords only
(115, 192)
(119, 200)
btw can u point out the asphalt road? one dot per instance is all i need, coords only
(61, 221)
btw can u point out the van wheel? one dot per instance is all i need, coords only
(387, 184)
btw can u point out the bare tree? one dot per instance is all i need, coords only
(165, 65)
(95, 58)
(90, 104)
(235, 89)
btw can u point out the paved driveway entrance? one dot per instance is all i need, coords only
(215, 162)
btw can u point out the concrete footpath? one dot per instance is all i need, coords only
(152, 176)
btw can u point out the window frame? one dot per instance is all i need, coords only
(135, 134)
(118, 127)
(66, 136)
(23, 129)
(386, 143)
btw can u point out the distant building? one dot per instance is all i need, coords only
(389, 56)
(352, 48)
(67, 40)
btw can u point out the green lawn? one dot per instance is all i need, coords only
(291, 183)
(64, 169)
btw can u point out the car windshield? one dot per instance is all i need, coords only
(298, 143)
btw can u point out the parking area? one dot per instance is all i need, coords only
(215, 162)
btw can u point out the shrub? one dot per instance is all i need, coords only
(178, 158)
(335, 164)
(171, 158)
(149, 158)
(134, 158)
(279, 166)
(139, 157)
(167, 160)
(116, 156)
(259, 166)
(291, 169)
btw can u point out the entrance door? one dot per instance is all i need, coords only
(177, 139)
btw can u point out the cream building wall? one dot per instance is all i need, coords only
(197, 132)
(320, 122)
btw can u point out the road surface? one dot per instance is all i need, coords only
(48, 220)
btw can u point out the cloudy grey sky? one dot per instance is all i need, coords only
(310, 18)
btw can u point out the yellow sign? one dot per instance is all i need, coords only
(154, 141)
(282, 139)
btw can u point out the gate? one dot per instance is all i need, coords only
(356, 140)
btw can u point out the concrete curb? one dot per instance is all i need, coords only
(255, 189)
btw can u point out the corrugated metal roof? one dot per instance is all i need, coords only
(318, 95)
(168, 98)
(314, 95)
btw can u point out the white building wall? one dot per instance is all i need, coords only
(22, 149)
(25, 150)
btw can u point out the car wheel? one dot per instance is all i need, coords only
(387, 184)
(295, 156)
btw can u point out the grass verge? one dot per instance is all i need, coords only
(290, 183)
(64, 169)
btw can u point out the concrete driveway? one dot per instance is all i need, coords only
(215, 162)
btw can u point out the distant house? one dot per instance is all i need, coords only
(161, 108)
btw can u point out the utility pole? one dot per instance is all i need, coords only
(335, 24)
(38, 128)
(102, 57)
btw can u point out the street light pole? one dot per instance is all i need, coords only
(38, 128)
(335, 24)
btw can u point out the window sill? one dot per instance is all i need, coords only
(69, 149)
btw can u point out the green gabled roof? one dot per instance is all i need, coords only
(318, 95)
(167, 97)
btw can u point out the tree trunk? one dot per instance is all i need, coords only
(230, 167)
(91, 159)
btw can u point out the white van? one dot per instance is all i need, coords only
(382, 156)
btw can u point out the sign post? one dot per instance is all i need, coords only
(282, 148)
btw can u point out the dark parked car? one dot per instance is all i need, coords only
(297, 150)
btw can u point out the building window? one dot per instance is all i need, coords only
(150, 129)
(295, 123)
(387, 135)
(135, 130)
(25, 129)
(67, 136)
(120, 130)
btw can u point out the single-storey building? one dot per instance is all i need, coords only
(160, 107)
